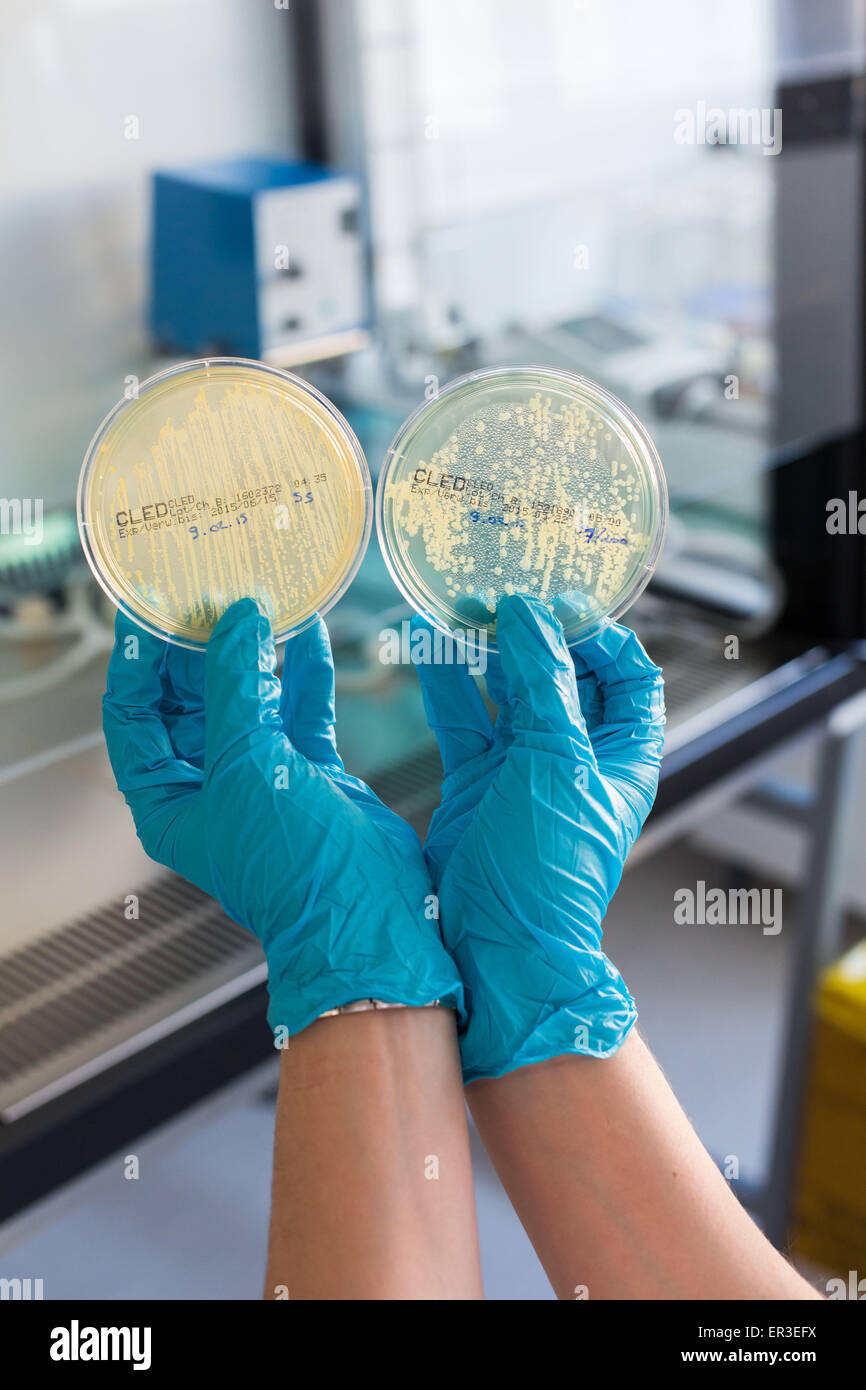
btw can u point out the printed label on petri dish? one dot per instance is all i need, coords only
(522, 480)
(224, 479)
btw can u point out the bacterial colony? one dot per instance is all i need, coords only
(539, 496)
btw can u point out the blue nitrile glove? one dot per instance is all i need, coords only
(238, 786)
(538, 814)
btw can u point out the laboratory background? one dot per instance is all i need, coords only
(667, 199)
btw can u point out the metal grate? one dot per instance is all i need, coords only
(87, 989)
(411, 787)
(697, 674)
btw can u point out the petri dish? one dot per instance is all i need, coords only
(224, 479)
(521, 480)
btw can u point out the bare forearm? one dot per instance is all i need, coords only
(615, 1189)
(372, 1192)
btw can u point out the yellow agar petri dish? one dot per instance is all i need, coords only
(522, 480)
(224, 479)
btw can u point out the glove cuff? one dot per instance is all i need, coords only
(295, 1005)
(594, 1023)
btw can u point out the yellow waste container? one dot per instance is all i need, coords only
(830, 1226)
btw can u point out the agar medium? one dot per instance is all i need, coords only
(224, 479)
(521, 480)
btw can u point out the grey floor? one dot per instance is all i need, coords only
(193, 1225)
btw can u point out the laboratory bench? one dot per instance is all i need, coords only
(112, 1021)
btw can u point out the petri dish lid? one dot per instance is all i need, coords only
(224, 479)
(521, 480)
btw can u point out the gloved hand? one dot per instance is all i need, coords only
(537, 816)
(238, 786)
